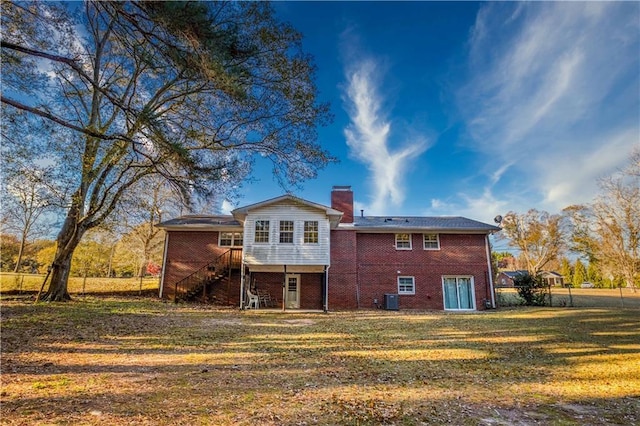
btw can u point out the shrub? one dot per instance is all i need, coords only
(532, 290)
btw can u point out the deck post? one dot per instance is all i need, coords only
(284, 289)
(242, 279)
(325, 304)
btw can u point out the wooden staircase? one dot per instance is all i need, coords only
(208, 282)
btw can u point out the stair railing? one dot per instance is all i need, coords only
(230, 259)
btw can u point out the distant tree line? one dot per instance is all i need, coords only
(96, 256)
(604, 235)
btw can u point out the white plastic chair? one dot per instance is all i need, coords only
(253, 300)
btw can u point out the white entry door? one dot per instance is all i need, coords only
(292, 292)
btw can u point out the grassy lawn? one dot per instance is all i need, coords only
(124, 361)
(579, 297)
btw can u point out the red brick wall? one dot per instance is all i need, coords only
(310, 287)
(270, 282)
(378, 263)
(343, 271)
(186, 253)
(226, 292)
(342, 200)
(363, 267)
(311, 291)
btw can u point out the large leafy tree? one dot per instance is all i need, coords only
(540, 236)
(190, 91)
(607, 231)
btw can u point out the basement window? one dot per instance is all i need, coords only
(406, 285)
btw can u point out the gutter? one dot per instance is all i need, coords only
(164, 262)
(493, 297)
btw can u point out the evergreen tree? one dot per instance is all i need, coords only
(594, 275)
(566, 271)
(579, 274)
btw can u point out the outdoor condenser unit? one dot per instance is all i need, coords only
(391, 302)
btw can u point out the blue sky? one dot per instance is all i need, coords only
(472, 109)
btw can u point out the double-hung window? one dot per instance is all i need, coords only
(311, 232)
(406, 285)
(261, 231)
(403, 241)
(431, 241)
(230, 239)
(286, 231)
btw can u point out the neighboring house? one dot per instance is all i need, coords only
(305, 255)
(505, 278)
(552, 278)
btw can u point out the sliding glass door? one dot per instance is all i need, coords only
(458, 293)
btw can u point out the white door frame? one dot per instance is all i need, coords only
(289, 302)
(473, 293)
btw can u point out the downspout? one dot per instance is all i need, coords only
(164, 262)
(493, 298)
(326, 288)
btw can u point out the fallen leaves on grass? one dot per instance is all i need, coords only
(120, 361)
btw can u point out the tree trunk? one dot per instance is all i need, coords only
(142, 270)
(68, 239)
(23, 242)
(57, 291)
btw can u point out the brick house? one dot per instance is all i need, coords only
(505, 278)
(292, 253)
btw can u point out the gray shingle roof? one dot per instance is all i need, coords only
(514, 274)
(366, 223)
(198, 221)
(426, 223)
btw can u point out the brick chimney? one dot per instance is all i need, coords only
(342, 200)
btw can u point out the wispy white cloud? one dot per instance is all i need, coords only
(368, 136)
(483, 206)
(226, 207)
(552, 97)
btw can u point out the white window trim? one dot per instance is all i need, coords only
(255, 231)
(413, 280)
(293, 231)
(234, 243)
(317, 232)
(410, 241)
(473, 293)
(424, 246)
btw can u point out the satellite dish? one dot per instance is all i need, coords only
(497, 219)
